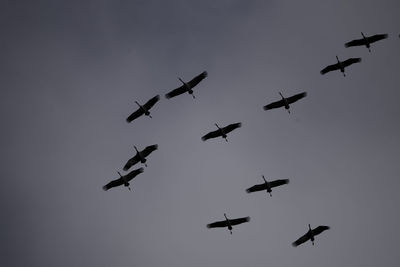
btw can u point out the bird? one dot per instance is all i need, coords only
(310, 235)
(228, 222)
(187, 87)
(340, 65)
(367, 41)
(267, 186)
(222, 131)
(123, 179)
(284, 102)
(145, 109)
(140, 156)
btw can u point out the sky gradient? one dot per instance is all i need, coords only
(71, 71)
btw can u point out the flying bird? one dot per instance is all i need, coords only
(310, 235)
(267, 186)
(145, 109)
(123, 180)
(140, 156)
(222, 131)
(284, 102)
(367, 41)
(340, 65)
(228, 223)
(187, 87)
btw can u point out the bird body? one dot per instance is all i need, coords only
(228, 223)
(285, 102)
(267, 185)
(340, 65)
(123, 180)
(143, 109)
(187, 87)
(310, 235)
(366, 41)
(140, 156)
(221, 131)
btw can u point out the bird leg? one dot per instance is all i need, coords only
(145, 164)
(270, 194)
(193, 96)
(150, 116)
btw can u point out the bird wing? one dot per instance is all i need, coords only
(175, 92)
(217, 224)
(232, 127)
(195, 81)
(296, 97)
(148, 150)
(151, 102)
(135, 115)
(320, 229)
(350, 61)
(212, 134)
(276, 104)
(356, 42)
(301, 240)
(133, 174)
(257, 187)
(330, 68)
(278, 182)
(239, 220)
(113, 183)
(377, 37)
(132, 161)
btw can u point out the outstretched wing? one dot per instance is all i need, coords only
(273, 105)
(377, 37)
(301, 240)
(217, 224)
(133, 174)
(356, 42)
(239, 220)
(278, 182)
(132, 161)
(350, 61)
(232, 127)
(257, 187)
(151, 102)
(195, 81)
(148, 150)
(135, 115)
(212, 134)
(320, 229)
(294, 98)
(175, 92)
(113, 183)
(330, 68)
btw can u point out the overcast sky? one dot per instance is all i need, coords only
(70, 72)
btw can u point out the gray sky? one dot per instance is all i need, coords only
(71, 71)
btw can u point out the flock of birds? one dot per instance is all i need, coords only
(187, 87)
